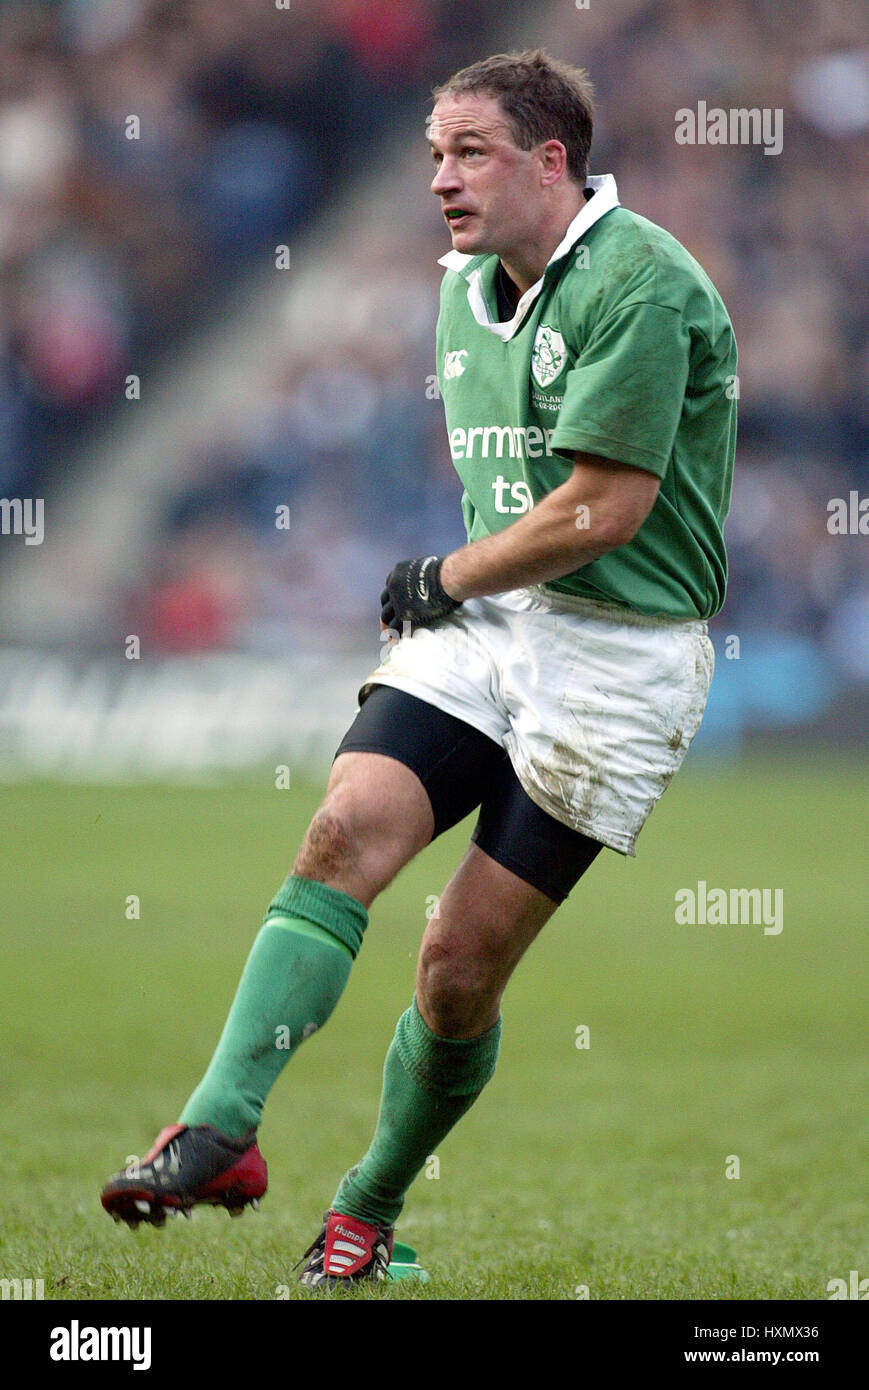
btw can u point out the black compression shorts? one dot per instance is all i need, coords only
(461, 769)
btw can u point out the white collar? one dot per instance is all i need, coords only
(606, 197)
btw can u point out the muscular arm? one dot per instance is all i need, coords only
(546, 543)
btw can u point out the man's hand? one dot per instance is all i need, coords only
(414, 594)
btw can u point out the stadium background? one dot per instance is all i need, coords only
(310, 387)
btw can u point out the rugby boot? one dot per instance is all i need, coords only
(347, 1252)
(185, 1167)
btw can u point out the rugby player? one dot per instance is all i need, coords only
(551, 672)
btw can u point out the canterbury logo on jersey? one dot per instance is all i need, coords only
(501, 441)
(453, 364)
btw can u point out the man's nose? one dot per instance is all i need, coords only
(445, 178)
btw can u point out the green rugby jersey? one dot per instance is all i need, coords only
(624, 349)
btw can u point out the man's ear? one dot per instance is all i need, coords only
(553, 159)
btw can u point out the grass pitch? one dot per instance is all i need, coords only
(598, 1171)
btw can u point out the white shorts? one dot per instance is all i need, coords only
(595, 705)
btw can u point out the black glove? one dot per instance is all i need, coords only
(414, 594)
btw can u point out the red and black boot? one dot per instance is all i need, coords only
(186, 1167)
(347, 1252)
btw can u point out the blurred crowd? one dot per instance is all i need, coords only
(250, 120)
(149, 151)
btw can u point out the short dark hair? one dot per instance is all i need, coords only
(541, 97)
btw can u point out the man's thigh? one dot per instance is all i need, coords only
(461, 770)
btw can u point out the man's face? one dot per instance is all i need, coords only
(483, 176)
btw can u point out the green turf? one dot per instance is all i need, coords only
(601, 1168)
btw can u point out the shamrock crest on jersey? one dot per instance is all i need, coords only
(548, 355)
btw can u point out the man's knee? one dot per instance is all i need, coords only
(374, 818)
(459, 986)
(341, 847)
(327, 849)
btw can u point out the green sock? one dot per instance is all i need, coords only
(428, 1084)
(294, 977)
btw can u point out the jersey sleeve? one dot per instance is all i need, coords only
(624, 394)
